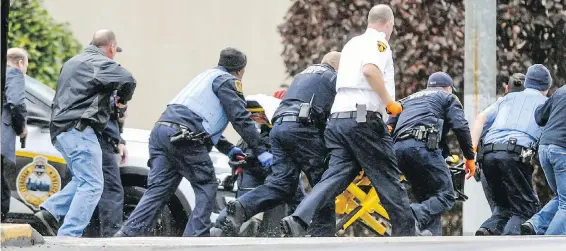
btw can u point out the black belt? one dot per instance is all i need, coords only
(349, 115)
(172, 125)
(287, 119)
(502, 147)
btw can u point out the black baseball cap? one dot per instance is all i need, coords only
(440, 79)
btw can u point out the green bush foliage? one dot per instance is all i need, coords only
(48, 42)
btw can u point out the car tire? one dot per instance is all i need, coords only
(165, 222)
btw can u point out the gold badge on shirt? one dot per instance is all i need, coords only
(238, 85)
(381, 46)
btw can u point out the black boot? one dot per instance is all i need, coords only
(234, 219)
(49, 221)
(293, 227)
(527, 228)
(483, 232)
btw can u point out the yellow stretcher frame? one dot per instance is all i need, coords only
(366, 208)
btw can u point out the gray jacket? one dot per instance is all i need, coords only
(83, 91)
(13, 111)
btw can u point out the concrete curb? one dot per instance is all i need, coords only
(20, 235)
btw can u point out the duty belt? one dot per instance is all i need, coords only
(414, 133)
(502, 147)
(173, 125)
(349, 115)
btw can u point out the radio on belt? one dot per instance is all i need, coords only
(305, 111)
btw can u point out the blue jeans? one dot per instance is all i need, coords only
(78, 199)
(551, 220)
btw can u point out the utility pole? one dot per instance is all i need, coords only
(480, 72)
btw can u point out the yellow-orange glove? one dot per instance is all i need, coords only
(393, 108)
(389, 128)
(470, 168)
(475, 149)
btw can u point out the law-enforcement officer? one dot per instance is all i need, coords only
(181, 140)
(298, 145)
(505, 152)
(420, 132)
(356, 134)
(107, 218)
(80, 112)
(551, 219)
(13, 113)
(515, 84)
(254, 175)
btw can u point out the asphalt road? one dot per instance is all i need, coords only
(467, 243)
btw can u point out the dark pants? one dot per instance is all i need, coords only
(487, 190)
(5, 193)
(108, 215)
(295, 148)
(169, 164)
(361, 146)
(510, 182)
(270, 224)
(431, 182)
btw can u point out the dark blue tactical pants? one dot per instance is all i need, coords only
(271, 218)
(361, 146)
(295, 148)
(169, 164)
(431, 182)
(108, 215)
(515, 200)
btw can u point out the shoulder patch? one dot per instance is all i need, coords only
(238, 85)
(381, 46)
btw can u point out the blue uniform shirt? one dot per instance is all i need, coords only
(318, 80)
(513, 116)
(208, 103)
(432, 107)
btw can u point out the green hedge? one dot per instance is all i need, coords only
(49, 43)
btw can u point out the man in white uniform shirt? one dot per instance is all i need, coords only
(356, 134)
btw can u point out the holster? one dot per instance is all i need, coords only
(429, 135)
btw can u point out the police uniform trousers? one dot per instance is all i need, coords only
(108, 215)
(270, 223)
(431, 182)
(295, 148)
(168, 165)
(510, 182)
(361, 146)
(5, 192)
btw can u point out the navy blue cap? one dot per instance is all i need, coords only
(440, 79)
(538, 77)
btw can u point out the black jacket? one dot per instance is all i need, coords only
(552, 115)
(83, 91)
(431, 107)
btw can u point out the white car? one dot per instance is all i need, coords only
(40, 171)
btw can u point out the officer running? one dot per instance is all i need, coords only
(107, 218)
(298, 145)
(505, 161)
(80, 112)
(13, 114)
(254, 175)
(181, 140)
(356, 134)
(420, 132)
(515, 84)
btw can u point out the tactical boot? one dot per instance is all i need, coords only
(293, 227)
(483, 232)
(49, 221)
(234, 220)
(527, 228)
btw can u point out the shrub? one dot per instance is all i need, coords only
(48, 42)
